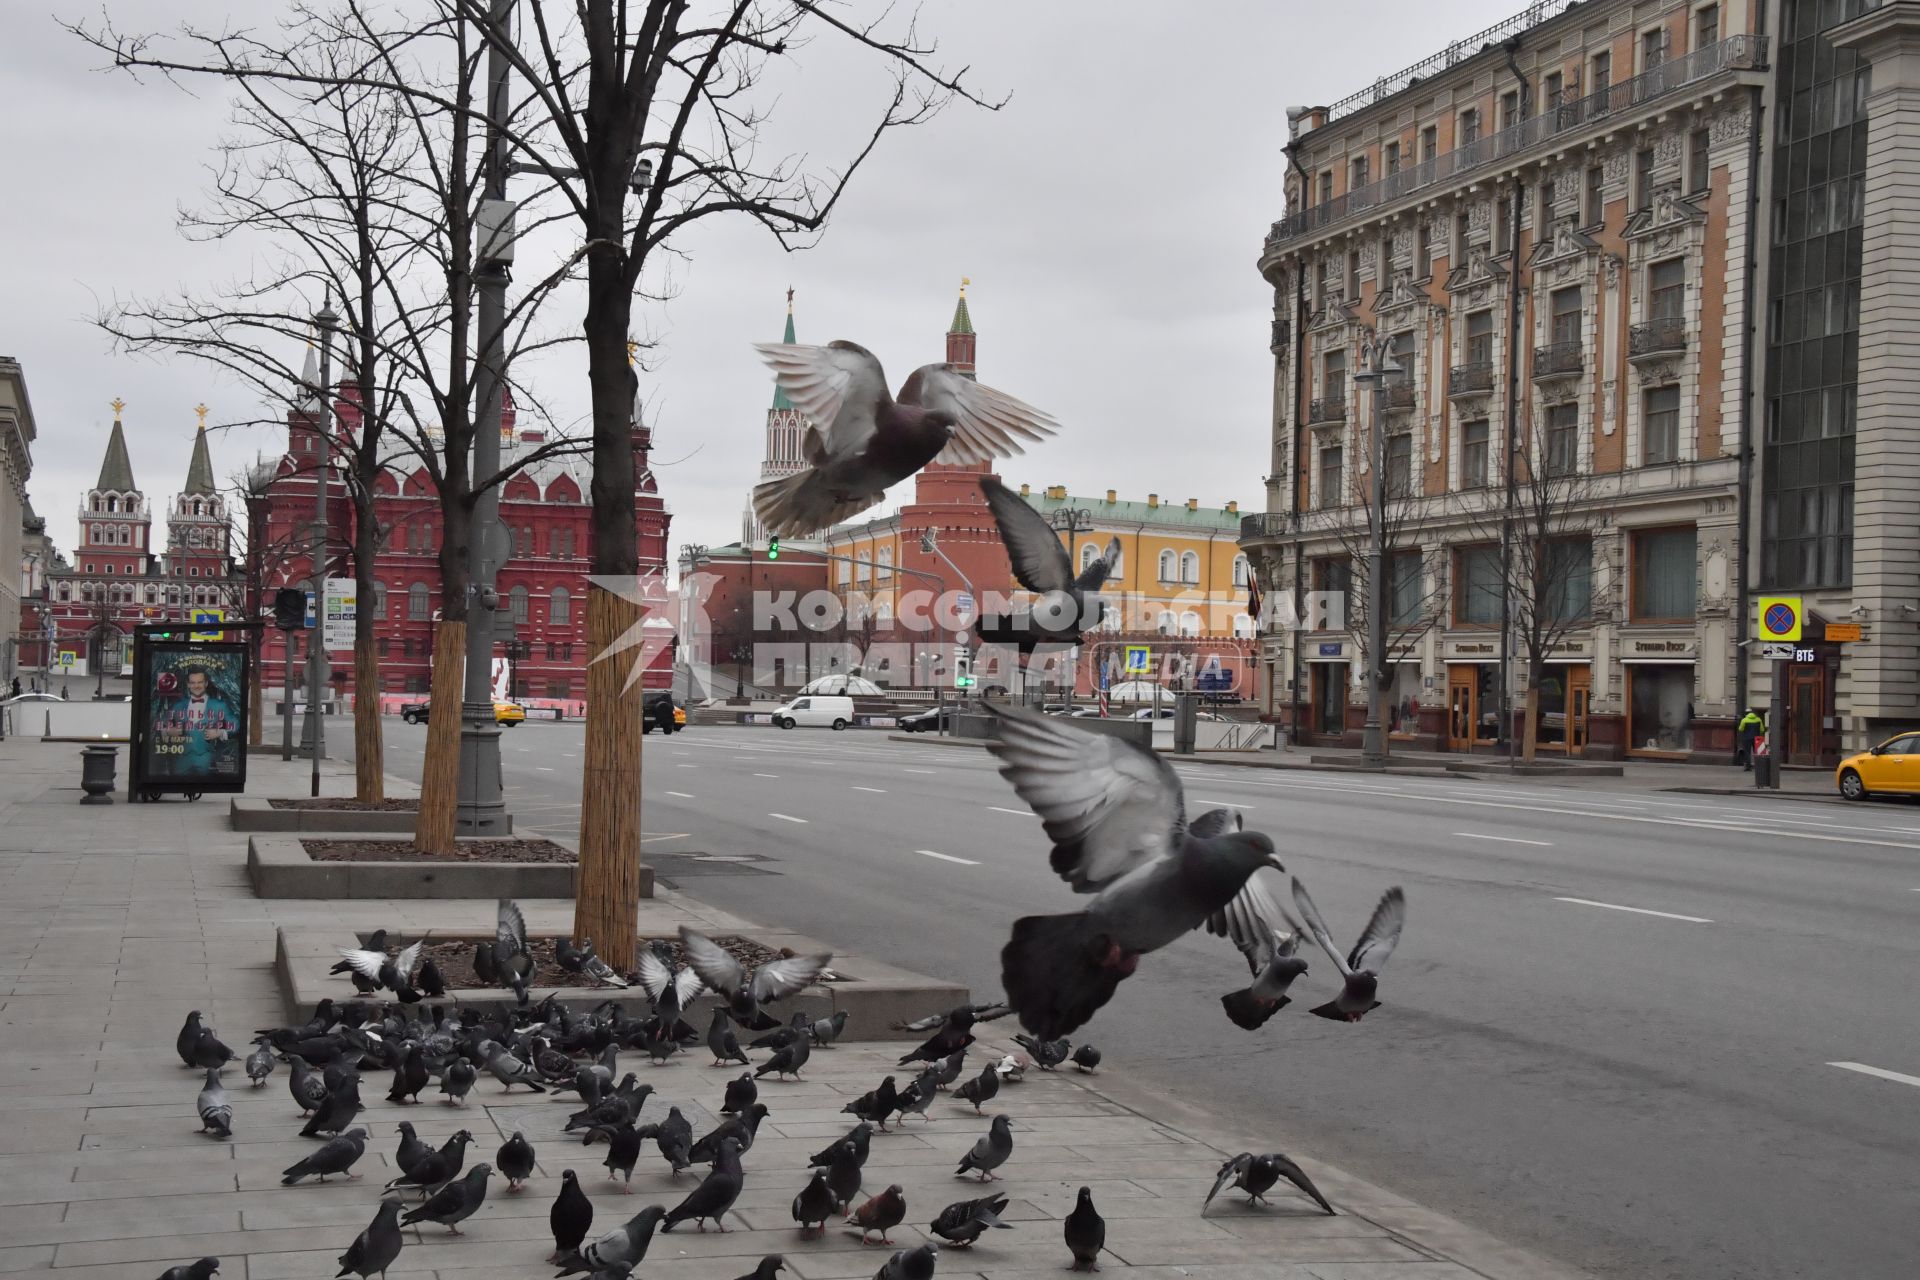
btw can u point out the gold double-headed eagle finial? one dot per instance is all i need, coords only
(118, 405)
(201, 410)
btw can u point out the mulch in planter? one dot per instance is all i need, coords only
(454, 956)
(346, 804)
(492, 850)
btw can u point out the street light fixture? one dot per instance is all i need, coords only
(1072, 521)
(327, 321)
(1381, 374)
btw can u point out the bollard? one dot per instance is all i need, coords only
(98, 764)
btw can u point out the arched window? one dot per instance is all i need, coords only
(96, 502)
(153, 594)
(1111, 616)
(1242, 627)
(1190, 566)
(1167, 567)
(94, 534)
(1190, 623)
(560, 606)
(113, 504)
(519, 598)
(885, 557)
(380, 600)
(1088, 554)
(1166, 623)
(66, 591)
(173, 596)
(1240, 571)
(417, 602)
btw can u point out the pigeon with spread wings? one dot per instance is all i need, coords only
(1359, 968)
(1267, 936)
(1115, 814)
(746, 992)
(512, 961)
(861, 440)
(1065, 605)
(395, 973)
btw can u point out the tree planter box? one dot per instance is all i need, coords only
(874, 995)
(254, 813)
(279, 866)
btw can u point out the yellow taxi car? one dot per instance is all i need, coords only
(509, 713)
(1892, 768)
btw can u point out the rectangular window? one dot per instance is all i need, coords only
(1602, 73)
(380, 646)
(1595, 213)
(1404, 589)
(1643, 178)
(1461, 229)
(1391, 155)
(1697, 143)
(1566, 568)
(1469, 126)
(1556, 90)
(1400, 464)
(1502, 224)
(1548, 210)
(1357, 173)
(1706, 26)
(1509, 108)
(1333, 385)
(1479, 348)
(1653, 48)
(1326, 186)
(1473, 454)
(1383, 267)
(1476, 586)
(1666, 289)
(1423, 251)
(1566, 314)
(406, 646)
(1322, 277)
(1353, 275)
(1429, 142)
(1331, 464)
(1664, 575)
(1660, 435)
(1563, 439)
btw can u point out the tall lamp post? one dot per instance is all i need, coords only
(315, 729)
(1381, 373)
(1073, 521)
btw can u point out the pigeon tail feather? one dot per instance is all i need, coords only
(1249, 1011)
(1055, 972)
(805, 503)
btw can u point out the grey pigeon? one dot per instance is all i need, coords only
(815, 1203)
(515, 1160)
(875, 1104)
(827, 1030)
(374, 1249)
(948, 1069)
(454, 1203)
(571, 1215)
(965, 1221)
(741, 1094)
(715, 1195)
(1047, 1054)
(336, 1114)
(509, 1070)
(509, 959)
(436, 1167)
(1065, 605)
(910, 1264)
(260, 1063)
(674, 1140)
(787, 1061)
(624, 1246)
(308, 1089)
(207, 1051)
(216, 1113)
(1256, 1175)
(990, 1152)
(843, 1174)
(861, 1136)
(671, 990)
(981, 1089)
(412, 1151)
(915, 1098)
(880, 1213)
(746, 992)
(189, 1036)
(1259, 926)
(801, 1024)
(1086, 1232)
(395, 973)
(200, 1270)
(337, 1156)
(1086, 1058)
(597, 969)
(861, 441)
(1359, 969)
(768, 1266)
(457, 1081)
(724, 1045)
(740, 1129)
(1115, 814)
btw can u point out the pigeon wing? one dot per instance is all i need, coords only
(838, 387)
(365, 963)
(1214, 822)
(710, 961)
(1108, 806)
(1318, 928)
(407, 961)
(1255, 923)
(1228, 1172)
(987, 424)
(1382, 933)
(510, 926)
(1039, 561)
(782, 978)
(653, 973)
(1094, 576)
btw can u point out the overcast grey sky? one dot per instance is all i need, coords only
(1109, 218)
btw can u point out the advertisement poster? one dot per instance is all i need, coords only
(190, 703)
(342, 607)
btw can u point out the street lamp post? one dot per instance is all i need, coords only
(315, 729)
(1073, 520)
(1380, 372)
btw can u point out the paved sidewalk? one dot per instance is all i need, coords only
(115, 921)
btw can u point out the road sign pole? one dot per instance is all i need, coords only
(1777, 724)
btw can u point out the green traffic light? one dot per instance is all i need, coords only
(773, 548)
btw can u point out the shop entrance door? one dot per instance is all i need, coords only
(1329, 692)
(1463, 707)
(1579, 692)
(1806, 704)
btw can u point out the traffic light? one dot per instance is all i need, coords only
(773, 547)
(963, 669)
(290, 608)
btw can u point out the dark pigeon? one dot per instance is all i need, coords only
(815, 1203)
(768, 1267)
(981, 1089)
(1064, 605)
(746, 992)
(200, 1270)
(454, 1203)
(394, 973)
(457, 1081)
(1256, 1176)
(623, 1151)
(337, 1156)
(954, 1035)
(336, 1114)
(946, 1071)
(374, 1249)
(843, 1174)
(741, 1094)
(721, 1040)
(910, 1264)
(875, 1104)
(189, 1036)
(711, 1200)
(1047, 1054)
(740, 1129)
(1260, 927)
(412, 1151)
(515, 1159)
(429, 981)
(411, 1076)
(437, 1167)
(1086, 1058)
(965, 1221)
(1360, 968)
(881, 1213)
(571, 1215)
(308, 1089)
(781, 1037)
(990, 1152)
(1086, 1232)
(787, 1061)
(207, 1051)
(674, 1140)
(861, 1136)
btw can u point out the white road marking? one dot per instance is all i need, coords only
(922, 771)
(681, 795)
(946, 857)
(766, 775)
(879, 791)
(1880, 1072)
(786, 817)
(544, 768)
(1018, 813)
(686, 766)
(1639, 911)
(678, 835)
(1481, 835)
(1224, 804)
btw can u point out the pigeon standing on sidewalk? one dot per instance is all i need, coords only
(436, 1167)
(1047, 1054)
(990, 1152)
(189, 1036)
(336, 1114)
(570, 1217)
(1086, 1232)
(815, 1203)
(374, 1249)
(454, 1203)
(516, 1160)
(880, 1213)
(618, 1251)
(961, 1223)
(981, 1089)
(711, 1200)
(307, 1088)
(337, 1156)
(201, 1270)
(260, 1062)
(843, 1174)
(827, 1030)
(910, 1264)
(767, 1268)
(1256, 1175)
(216, 1113)
(1360, 968)
(674, 1141)
(457, 1081)
(862, 441)
(741, 1094)
(787, 1061)
(721, 1042)
(1086, 1058)
(411, 1151)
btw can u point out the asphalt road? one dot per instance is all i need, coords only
(1611, 1032)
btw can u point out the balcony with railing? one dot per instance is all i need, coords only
(1265, 524)
(1737, 53)
(1660, 336)
(1326, 409)
(1399, 396)
(1282, 337)
(1559, 360)
(1473, 379)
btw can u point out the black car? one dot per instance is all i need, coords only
(929, 721)
(658, 712)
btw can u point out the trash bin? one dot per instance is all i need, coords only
(1763, 772)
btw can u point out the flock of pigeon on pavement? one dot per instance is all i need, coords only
(1113, 811)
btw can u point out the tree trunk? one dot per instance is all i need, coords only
(1530, 731)
(440, 771)
(255, 730)
(369, 751)
(606, 905)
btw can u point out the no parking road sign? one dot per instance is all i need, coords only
(1780, 618)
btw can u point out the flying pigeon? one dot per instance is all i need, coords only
(715, 1195)
(200, 1270)
(813, 1205)
(724, 1045)
(910, 1264)
(1260, 927)
(741, 1094)
(1047, 1054)
(1086, 1232)
(337, 1156)
(516, 1161)
(1256, 1175)
(973, 1013)
(374, 1249)
(1115, 813)
(216, 1113)
(624, 1246)
(260, 1062)
(861, 441)
(1065, 606)
(981, 1089)
(990, 1152)
(1086, 1058)
(571, 1215)
(745, 992)
(454, 1203)
(965, 1221)
(671, 990)
(881, 1213)
(394, 973)
(512, 962)
(1360, 968)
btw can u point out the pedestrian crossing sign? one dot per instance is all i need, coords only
(203, 617)
(1139, 659)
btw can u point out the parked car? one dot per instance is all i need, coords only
(508, 713)
(660, 711)
(1892, 768)
(814, 712)
(929, 721)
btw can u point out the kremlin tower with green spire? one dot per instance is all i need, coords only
(786, 427)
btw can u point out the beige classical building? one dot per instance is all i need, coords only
(1664, 252)
(17, 433)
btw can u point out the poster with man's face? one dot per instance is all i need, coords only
(196, 710)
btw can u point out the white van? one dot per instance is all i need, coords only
(811, 711)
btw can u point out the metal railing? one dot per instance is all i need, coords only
(1327, 409)
(1400, 397)
(1662, 333)
(1265, 524)
(1477, 376)
(1282, 336)
(1736, 53)
(1459, 51)
(1559, 357)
